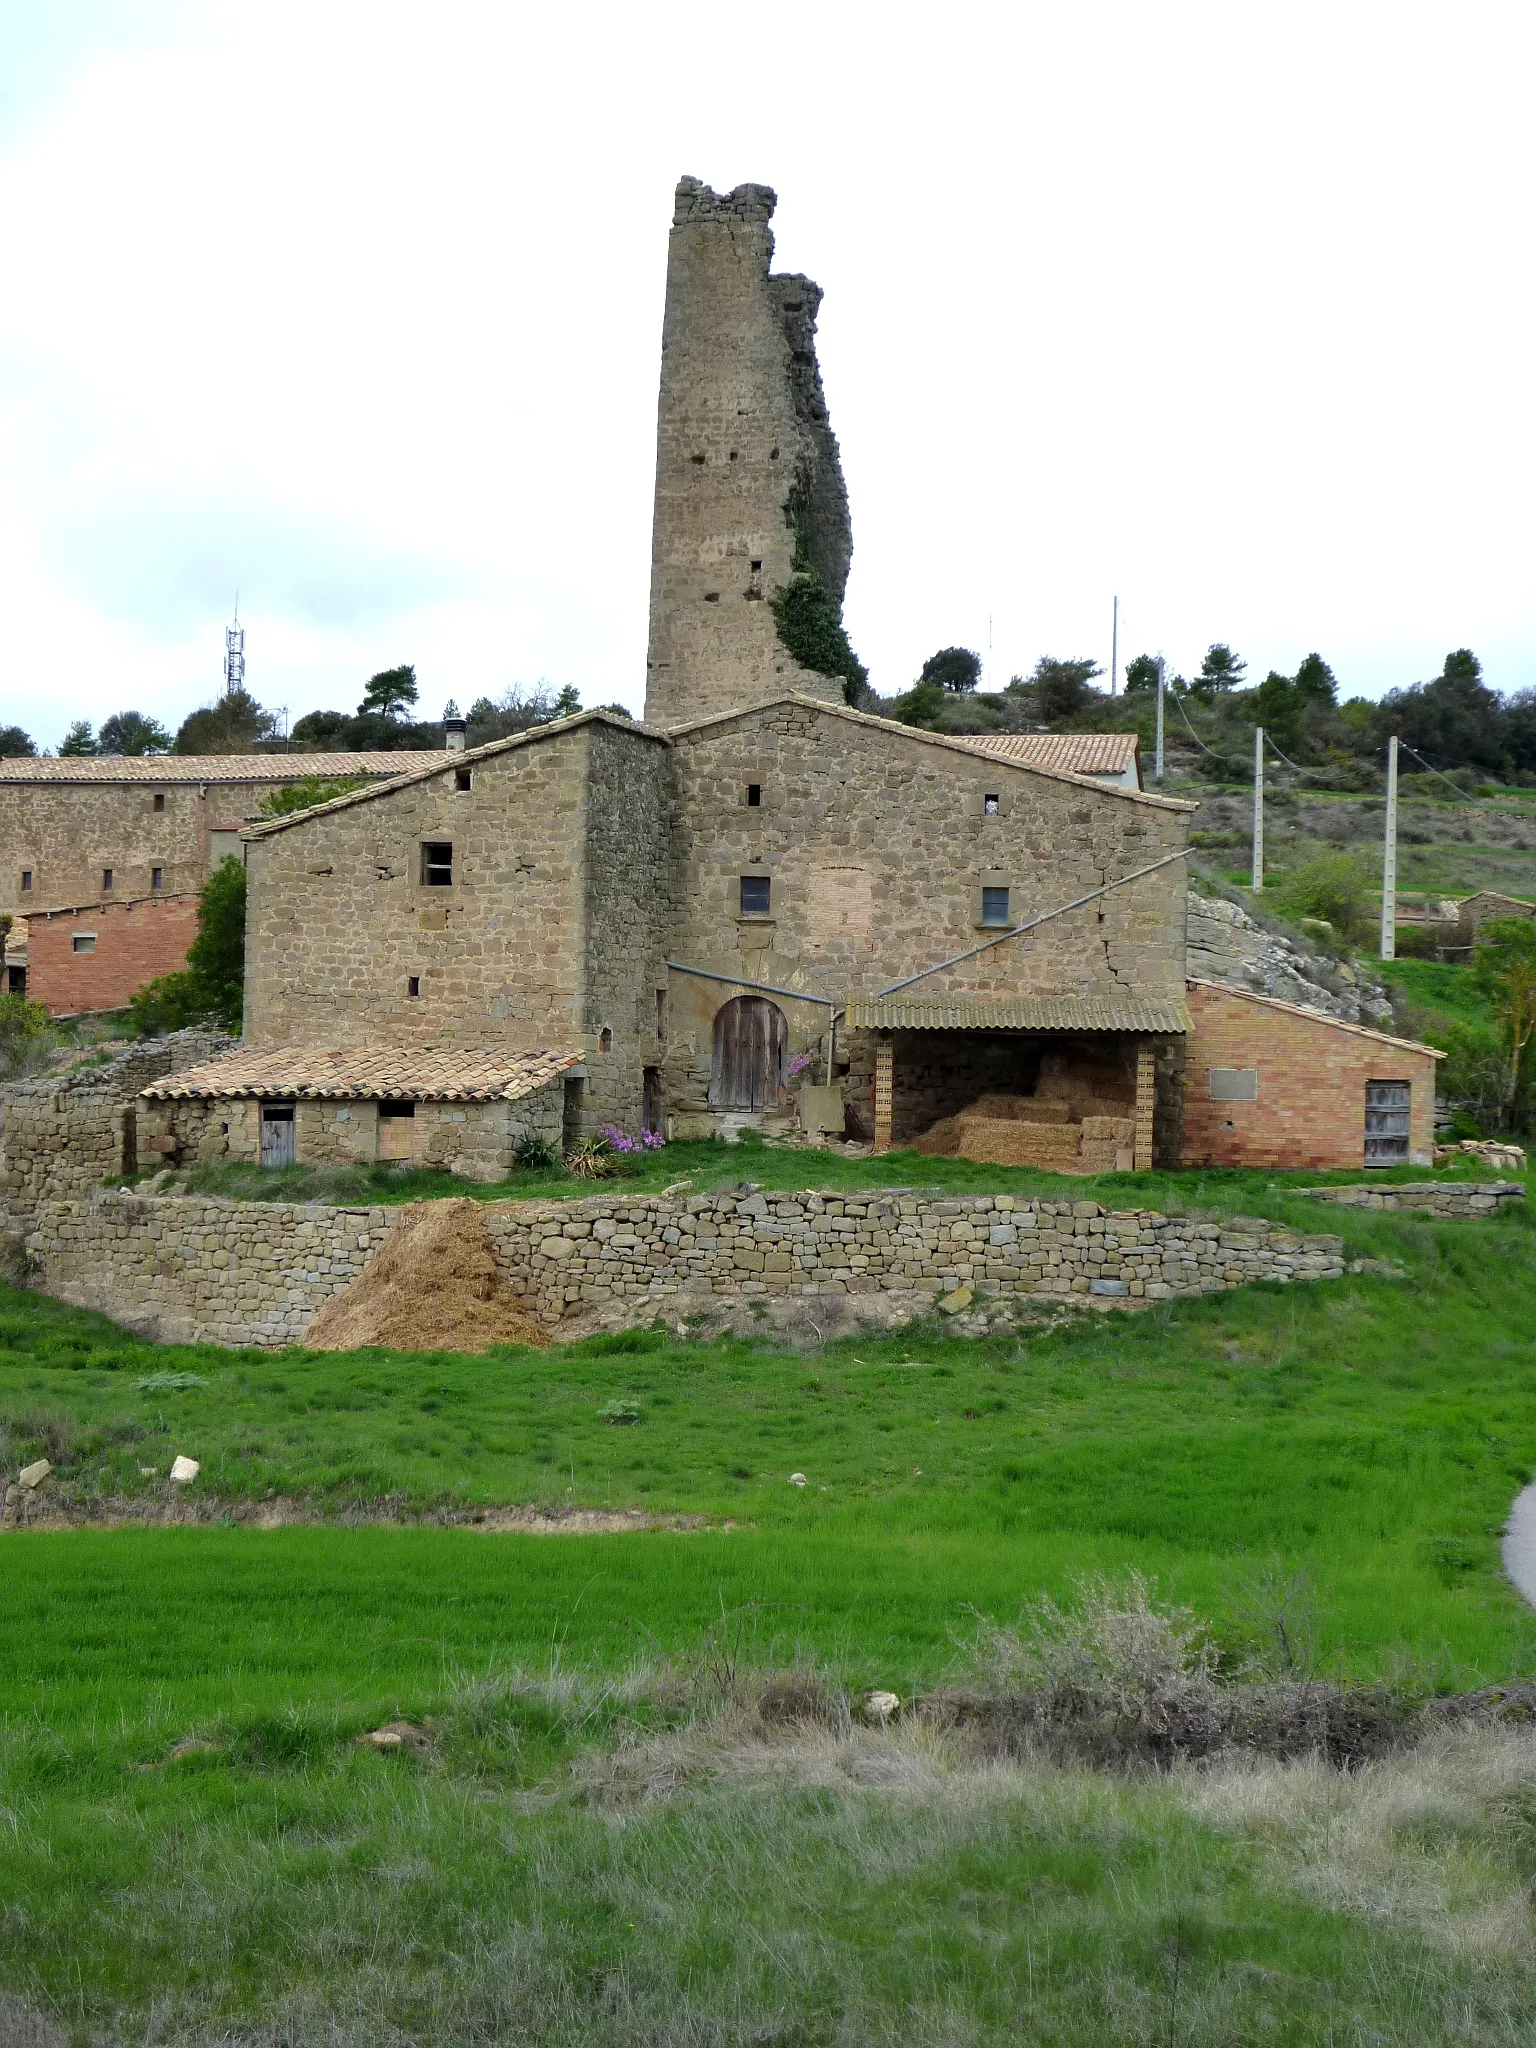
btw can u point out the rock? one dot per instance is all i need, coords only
(880, 1706)
(951, 1304)
(797, 1479)
(1109, 1287)
(395, 1735)
(31, 1476)
(184, 1471)
(1225, 944)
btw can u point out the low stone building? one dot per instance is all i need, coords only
(1271, 1084)
(466, 1112)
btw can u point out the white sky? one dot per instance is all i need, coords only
(1223, 308)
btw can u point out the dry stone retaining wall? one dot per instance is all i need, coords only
(1436, 1198)
(193, 1268)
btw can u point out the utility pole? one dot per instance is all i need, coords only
(1389, 860)
(1157, 771)
(1114, 651)
(1258, 808)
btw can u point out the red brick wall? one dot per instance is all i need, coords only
(135, 942)
(1310, 1110)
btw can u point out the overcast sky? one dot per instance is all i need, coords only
(1225, 309)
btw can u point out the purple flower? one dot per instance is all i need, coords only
(799, 1063)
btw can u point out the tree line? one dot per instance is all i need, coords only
(383, 722)
(1455, 721)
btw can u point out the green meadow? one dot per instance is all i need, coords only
(599, 1841)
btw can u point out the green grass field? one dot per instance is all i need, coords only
(1361, 1439)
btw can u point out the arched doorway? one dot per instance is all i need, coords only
(750, 1056)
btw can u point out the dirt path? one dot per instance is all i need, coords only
(51, 1516)
(1520, 1544)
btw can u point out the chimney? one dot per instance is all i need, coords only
(455, 729)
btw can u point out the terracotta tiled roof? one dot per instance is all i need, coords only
(1065, 753)
(174, 768)
(1018, 1013)
(1248, 995)
(361, 1073)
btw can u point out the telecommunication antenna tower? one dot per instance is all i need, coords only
(234, 654)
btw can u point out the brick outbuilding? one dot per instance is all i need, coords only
(94, 956)
(1271, 1084)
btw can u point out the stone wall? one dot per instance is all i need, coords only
(193, 1268)
(1311, 1074)
(741, 418)
(64, 1131)
(130, 944)
(1446, 1199)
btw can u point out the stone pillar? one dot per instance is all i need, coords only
(885, 1071)
(1146, 1094)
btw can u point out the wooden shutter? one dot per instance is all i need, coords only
(1388, 1106)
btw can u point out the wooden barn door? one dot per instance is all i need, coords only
(751, 1049)
(277, 1147)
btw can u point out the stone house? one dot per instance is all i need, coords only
(668, 925)
(116, 828)
(92, 957)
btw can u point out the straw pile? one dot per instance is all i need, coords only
(433, 1285)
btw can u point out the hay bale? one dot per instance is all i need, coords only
(1115, 1130)
(433, 1285)
(1006, 1141)
(940, 1140)
(1027, 1109)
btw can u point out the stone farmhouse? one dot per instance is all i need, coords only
(101, 859)
(758, 904)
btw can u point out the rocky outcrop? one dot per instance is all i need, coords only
(1225, 944)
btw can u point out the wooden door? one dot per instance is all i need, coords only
(1388, 1106)
(750, 1055)
(277, 1147)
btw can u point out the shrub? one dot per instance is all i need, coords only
(26, 1036)
(211, 987)
(1336, 887)
(537, 1155)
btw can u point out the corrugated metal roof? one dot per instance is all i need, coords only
(1249, 995)
(1065, 753)
(423, 1074)
(1017, 1013)
(175, 768)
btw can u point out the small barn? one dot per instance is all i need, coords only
(1268, 1083)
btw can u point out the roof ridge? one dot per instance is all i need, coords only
(955, 742)
(598, 715)
(1251, 995)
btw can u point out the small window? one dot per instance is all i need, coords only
(756, 895)
(990, 806)
(106, 880)
(757, 568)
(994, 906)
(605, 1040)
(159, 800)
(85, 942)
(157, 878)
(413, 984)
(1234, 1084)
(711, 597)
(754, 796)
(463, 779)
(437, 864)
(26, 880)
(661, 1015)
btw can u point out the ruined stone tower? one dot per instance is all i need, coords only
(748, 482)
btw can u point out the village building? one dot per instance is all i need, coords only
(102, 856)
(759, 905)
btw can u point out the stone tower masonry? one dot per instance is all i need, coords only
(743, 447)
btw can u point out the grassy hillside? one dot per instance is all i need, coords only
(602, 1840)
